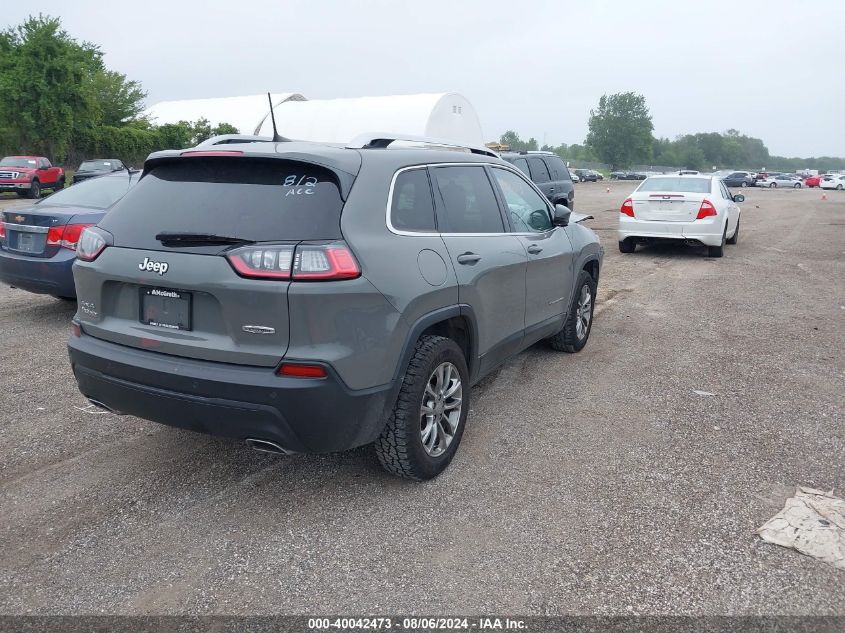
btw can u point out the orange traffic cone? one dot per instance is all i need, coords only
(608, 190)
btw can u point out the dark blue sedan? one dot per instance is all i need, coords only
(38, 243)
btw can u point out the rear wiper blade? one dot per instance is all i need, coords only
(199, 239)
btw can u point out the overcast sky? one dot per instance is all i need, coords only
(771, 69)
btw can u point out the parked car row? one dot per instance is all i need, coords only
(30, 176)
(773, 180)
(628, 175)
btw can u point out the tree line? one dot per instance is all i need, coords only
(620, 134)
(58, 99)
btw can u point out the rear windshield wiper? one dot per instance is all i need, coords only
(199, 239)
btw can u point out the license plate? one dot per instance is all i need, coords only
(166, 308)
(26, 242)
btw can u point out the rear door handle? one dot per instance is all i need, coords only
(534, 249)
(469, 258)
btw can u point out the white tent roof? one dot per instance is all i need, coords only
(446, 116)
(245, 113)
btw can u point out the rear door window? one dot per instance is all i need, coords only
(558, 170)
(522, 165)
(257, 200)
(469, 204)
(539, 171)
(412, 208)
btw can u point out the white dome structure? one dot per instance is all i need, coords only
(245, 113)
(445, 116)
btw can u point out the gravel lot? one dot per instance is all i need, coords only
(590, 483)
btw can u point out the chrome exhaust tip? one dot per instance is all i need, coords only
(103, 406)
(266, 446)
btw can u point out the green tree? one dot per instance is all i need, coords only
(117, 99)
(620, 129)
(45, 85)
(224, 128)
(512, 140)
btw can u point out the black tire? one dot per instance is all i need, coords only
(60, 185)
(628, 245)
(718, 251)
(744, 183)
(60, 298)
(773, 185)
(570, 338)
(797, 185)
(733, 239)
(400, 446)
(35, 190)
(839, 187)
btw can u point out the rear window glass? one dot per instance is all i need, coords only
(250, 199)
(98, 165)
(681, 185)
(412, 208)
(97, 193)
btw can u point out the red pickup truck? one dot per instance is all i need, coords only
(29, 175)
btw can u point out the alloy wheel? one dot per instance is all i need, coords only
(583, 312)
(440, 411)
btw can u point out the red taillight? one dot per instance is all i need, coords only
(66, 236)
(324, 263)
(301, 370)
(706, 210)
(90, 245)
(306, 262)
(2, 230)
(262, 262)
(627, 208)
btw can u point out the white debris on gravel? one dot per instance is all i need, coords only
(703, 393)
(812, 522)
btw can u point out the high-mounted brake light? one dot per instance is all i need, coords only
(627, 208)
(305, 262)
(90, 245)
(301, 370)
(213, 152)
(66, 236)
(706, 210)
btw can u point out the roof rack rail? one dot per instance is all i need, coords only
(373, 140)
(226, 139)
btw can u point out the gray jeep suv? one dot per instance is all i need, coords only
(313, 298)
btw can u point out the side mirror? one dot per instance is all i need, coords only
(562, 214)
(739, 198)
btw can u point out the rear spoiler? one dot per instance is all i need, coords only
(575, 218)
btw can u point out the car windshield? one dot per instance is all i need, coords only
(96, 193)
(18, 161)
(679, 184)
(97, 165)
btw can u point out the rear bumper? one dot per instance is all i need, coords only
(303, 415)
(706, 232)
(42, 275)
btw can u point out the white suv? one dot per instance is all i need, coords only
(692, 208)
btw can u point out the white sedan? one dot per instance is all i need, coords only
(690, 208)
(833, 181)
(781, 180)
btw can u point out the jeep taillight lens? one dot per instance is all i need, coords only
(262, 262)
(66, 236)
(90, 245)
(706, 210)
(305, 262)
